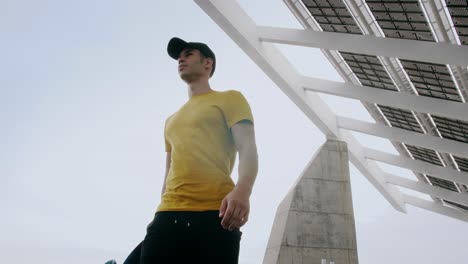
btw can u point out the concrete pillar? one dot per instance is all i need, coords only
(315, 220)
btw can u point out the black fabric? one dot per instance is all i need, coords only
(134, 257)
(187, 237)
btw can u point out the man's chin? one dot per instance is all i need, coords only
(184, 76)
(189, 77)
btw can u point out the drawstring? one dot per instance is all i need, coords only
(188, 223)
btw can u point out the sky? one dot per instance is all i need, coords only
(85, 88)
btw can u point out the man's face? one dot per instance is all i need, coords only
(191, 65)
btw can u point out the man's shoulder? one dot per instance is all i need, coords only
(170, 116)
(230, 93)
(229, 97)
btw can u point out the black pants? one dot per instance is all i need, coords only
(188, 237)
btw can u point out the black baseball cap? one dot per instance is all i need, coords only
(176, 45)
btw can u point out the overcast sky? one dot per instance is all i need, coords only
(85, 87)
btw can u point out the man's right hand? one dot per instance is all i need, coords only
(235, 209)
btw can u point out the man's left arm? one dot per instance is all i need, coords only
(235, 207)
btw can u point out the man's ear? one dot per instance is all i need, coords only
(208, 62)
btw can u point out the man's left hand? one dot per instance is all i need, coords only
(235, 209)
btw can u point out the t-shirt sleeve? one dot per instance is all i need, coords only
(167, 144)
(237, 109)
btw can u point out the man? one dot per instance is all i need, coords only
(201, 208)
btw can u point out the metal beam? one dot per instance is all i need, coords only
(243, 31)
(425, 51)
(436, 208)
(406, 101)
(428, 189)
(370, 169)
(241, 28)
(406, 136)
(417, 165)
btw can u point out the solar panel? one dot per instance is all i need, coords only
(459, 12)
(452, 128)
(433, 80)
(332, 16)
(400, 6)
(401, 19)
(424, 154)
(401, 118)
(456, 205)
(324, 3)
(462, 163)
(442, 183)
(369, 70)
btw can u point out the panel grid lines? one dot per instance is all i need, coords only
(424, 154)
(432, 80)
(459, 12)
(458, 206)
(333, 16)
(452, 128)
(462, 163)
(401, 118)
(442, 183)
(369, 70)
(401, 19)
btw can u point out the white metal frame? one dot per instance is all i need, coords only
(443, 53)
(257, 42)
(412, 102)
(417, 165)
(403, 135)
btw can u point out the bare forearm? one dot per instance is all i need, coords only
(235, 207)
(248, 168)
(163, 189)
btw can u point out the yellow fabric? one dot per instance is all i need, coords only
(202, 150)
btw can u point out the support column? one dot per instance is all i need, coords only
(315, 220)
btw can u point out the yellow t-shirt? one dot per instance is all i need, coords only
(202, 149)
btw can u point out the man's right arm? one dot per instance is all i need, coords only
(168, 166)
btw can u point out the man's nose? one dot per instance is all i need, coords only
(180, 59)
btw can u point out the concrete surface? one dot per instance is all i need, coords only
(315, 220)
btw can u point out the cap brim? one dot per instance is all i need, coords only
(175, 46)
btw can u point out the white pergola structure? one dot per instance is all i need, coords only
(406, 61)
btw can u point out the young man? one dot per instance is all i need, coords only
(201, 208)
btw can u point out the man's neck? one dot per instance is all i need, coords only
(198, 87)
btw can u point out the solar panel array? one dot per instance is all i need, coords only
(405, 19)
